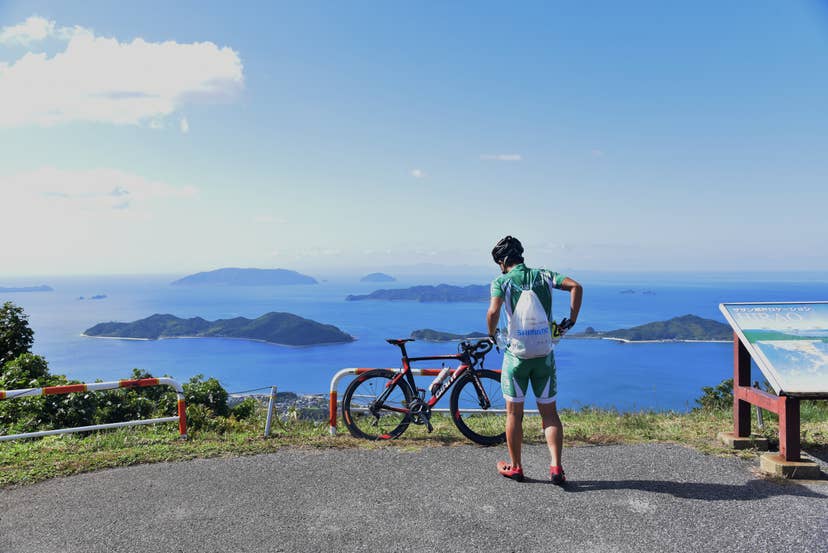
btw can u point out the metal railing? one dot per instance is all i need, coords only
(181, 418)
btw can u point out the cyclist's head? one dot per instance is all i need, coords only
(508, 251)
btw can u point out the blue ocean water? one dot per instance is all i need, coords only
(590, 372)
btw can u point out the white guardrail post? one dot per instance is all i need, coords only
(332, 407)
(181, 418)
(270, 406)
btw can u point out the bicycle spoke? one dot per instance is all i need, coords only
(367, 418)
(484, 426)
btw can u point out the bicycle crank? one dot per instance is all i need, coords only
(420, 413)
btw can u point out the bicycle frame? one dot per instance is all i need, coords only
(467, 363)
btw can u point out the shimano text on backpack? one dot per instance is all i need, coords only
(529, 335)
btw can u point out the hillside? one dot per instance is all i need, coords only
(687, 327)
(440, 293)
(277, 328)
(245, 277)
(41, 288)
(377, 277)
(429, 335)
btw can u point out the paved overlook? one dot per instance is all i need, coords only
(655, 497)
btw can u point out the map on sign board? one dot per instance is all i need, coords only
(788, 341)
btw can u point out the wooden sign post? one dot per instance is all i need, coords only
(789, 344)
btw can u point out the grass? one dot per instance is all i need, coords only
(29, 461)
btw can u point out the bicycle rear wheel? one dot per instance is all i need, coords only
(364, 418)
(480, 425)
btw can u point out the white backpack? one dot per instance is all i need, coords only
(529, 334)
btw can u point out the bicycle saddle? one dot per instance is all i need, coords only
(397, 342)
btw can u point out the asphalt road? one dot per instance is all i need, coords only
(620, 498)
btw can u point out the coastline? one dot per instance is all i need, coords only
(220, 337)
(116, 338)
(663, 341)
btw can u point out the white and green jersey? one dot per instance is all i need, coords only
(521, 277)
(517, 373)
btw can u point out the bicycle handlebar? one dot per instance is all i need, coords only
(479, 349)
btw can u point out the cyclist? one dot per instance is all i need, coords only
(520, 369)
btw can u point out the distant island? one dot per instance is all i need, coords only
(429, 335)
(377, 277)
(95, 297)
(643, 292)
(679, 329)
(245, 277)
(439, 293)
(277, 328)
(41, 288)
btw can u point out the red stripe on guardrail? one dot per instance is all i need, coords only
(137, 383)
(332, 410)
(67, 389)
(430, 372)
(2, 394)
(182, 418)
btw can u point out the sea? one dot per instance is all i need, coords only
(607, 374)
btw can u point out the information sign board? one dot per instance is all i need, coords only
(788, 341)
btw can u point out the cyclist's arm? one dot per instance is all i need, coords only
(493, 314)
(576, 292)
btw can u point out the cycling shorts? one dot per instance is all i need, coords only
(518, 373)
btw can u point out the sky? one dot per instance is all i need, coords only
(174, 137)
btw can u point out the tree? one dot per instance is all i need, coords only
(16, 337)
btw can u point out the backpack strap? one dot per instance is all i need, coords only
(506, 287)
(551, 286)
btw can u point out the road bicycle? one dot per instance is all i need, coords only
(381, 403)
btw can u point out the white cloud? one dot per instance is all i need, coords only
(501, 157)
(184, 125)
(100, 79)
(597, 153)
(418, 173)
(98, 220)
(33, 29)
(96, 190)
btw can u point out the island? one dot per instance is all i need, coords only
(276, 328)
(643, 292)
(41, 288)
(245, 277)
(377, 277)
(441, 293)
(688, 328)
(429, 335)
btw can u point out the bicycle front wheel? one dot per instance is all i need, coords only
(365, 417)
(479, 423)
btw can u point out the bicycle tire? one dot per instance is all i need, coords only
(482, 428)
(359, 395)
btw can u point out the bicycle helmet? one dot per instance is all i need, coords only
(507, 249)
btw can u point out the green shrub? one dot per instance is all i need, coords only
(208, 393)
(716, 398)
(246, 409)
(201, 418)
(16, 337)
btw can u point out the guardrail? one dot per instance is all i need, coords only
(332, 406)
(181, 418)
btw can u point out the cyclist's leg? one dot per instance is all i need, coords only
(545, 387)
(552, 430)
(514, 431)
(514, 381)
